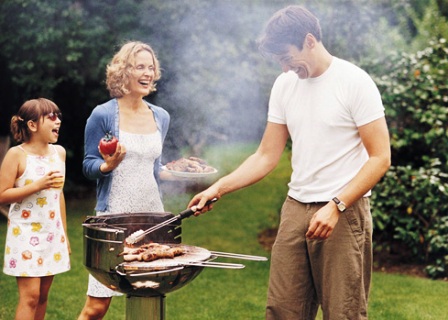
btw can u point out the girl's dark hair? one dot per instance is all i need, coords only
(288, 26)
(31, 110)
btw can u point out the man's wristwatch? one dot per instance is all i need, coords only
(340, 204)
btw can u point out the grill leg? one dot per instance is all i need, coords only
(145, 308)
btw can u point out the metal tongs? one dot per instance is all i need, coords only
(140, 234)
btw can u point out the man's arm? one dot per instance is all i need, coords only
(252, 170)
(375, 137)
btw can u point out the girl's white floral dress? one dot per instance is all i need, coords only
(36, 243)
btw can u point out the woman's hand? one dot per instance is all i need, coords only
(112, 161)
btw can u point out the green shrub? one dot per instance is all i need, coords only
(411, 201)
(410, 207)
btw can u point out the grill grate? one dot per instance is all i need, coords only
(191, 254)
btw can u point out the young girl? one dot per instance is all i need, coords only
(31, 180)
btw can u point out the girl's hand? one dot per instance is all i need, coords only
(112, 161)
(53, 179)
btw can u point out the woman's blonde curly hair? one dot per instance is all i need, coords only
(119, 69)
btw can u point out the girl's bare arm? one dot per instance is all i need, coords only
(12, 168)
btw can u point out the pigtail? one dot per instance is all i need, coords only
(19, 129)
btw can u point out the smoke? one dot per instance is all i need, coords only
(215, 84)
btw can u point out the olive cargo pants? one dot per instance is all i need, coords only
(334, 273)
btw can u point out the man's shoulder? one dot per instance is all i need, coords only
(286, 79)
(349, 67)
(288, 76)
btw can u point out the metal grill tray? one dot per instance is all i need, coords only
(191, 255)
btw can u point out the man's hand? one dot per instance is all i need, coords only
(323, 222)
(200, 200)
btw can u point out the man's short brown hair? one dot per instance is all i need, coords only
(288, 26)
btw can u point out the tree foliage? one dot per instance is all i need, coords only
(412, 200)
(430, 22)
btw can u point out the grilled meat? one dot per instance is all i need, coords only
(192, 164)
(151, 252)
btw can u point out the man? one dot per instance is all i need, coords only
(333, 113)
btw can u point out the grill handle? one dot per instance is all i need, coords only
(139, 274)
(211, 264)
(237, 256)
(199, 264)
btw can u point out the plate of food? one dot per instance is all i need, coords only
(191, 167)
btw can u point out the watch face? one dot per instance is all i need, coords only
(341, 206)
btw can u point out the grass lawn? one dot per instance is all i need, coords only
(232, 226)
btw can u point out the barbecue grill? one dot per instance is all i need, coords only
(145, 283)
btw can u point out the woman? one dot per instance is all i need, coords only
(127, 180)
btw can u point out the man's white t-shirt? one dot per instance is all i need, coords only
(323, 115)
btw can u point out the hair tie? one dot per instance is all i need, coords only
(20, 119)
